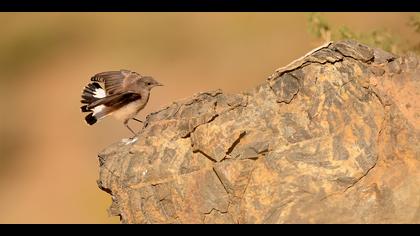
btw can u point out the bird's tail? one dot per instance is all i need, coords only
(91, 93)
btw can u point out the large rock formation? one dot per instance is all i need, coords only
(331, 138)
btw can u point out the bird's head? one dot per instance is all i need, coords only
(149, 82)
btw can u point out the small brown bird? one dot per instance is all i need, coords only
(125, 94)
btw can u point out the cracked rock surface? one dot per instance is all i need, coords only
(331, 138)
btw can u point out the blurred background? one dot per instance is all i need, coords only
(48, 155)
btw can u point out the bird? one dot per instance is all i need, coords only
(124, 95)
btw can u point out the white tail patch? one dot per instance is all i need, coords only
(98, 109)
(99, 93)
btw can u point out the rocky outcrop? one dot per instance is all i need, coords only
(331, 138)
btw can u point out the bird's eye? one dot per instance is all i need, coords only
(149, 83)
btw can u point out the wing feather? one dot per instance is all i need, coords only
(116, 100)
(113, 80)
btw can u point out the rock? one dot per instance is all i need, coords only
(331, 138)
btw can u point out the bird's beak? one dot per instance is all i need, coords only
(159, 84)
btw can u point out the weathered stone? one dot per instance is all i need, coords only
(354, 50)
(331, 138)
(382, 56)
(285, 87)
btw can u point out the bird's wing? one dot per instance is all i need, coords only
(116, 100)
(114, 80)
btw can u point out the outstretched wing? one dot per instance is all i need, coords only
(113, 80)
(116, 101)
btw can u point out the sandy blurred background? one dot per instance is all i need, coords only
(48, 162)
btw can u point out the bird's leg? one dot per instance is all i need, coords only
(128, 127)
(132, 139)
(137, 120)
(140, 121)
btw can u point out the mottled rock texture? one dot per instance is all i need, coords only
(331, 138)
